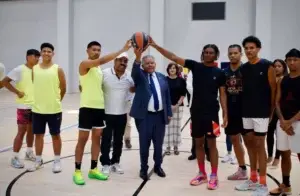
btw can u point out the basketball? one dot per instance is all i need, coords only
(139, 40)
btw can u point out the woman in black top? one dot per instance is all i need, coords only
(281, 70)
(177, 87)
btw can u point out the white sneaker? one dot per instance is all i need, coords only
(248, 185)
(226, 158)
(37, 165)
(30, 156)
(261, 190)
(233, 160)
(16, 163)
(56, 168)
(117, 168)
(106, 170)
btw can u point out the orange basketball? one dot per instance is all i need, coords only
(139, 40)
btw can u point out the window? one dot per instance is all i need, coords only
(208, 11)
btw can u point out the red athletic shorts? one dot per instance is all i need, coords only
(24, 116)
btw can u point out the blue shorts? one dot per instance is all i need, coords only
(39, 122)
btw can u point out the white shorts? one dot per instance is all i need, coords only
(286, 142)
(259, 125)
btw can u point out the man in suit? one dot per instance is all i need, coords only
(151, 109)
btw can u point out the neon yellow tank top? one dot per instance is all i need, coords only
(25, 85)
(91, 95)
(47, 98)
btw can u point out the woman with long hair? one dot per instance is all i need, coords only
(177, 87)
(281, 70)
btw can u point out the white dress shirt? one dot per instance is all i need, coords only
(189, 86)
(116, 91)
(158, 90)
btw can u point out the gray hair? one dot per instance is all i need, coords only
(147, 56)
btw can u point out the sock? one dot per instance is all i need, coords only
(214, 170)
(202, 168)
(93, 164)
(243, 167)
(15, 154)
(253, 176)
(262, 180)
(77, 166)
(38, 158)
(286, 180)
(229, 152)
(29, 149)
(57, 158)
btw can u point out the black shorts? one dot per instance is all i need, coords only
(39, 122)
(235, 125)
(203, 125)
(90, 118)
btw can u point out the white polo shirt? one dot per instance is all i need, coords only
(116, 91)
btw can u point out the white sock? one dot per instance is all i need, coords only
(29, 149)
(16, 154)
(38, 158)
(57, 157)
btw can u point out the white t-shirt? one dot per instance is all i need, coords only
(2, 71)
(16, 76)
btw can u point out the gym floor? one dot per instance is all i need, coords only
(179, 170)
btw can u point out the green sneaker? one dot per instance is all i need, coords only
(77, 178)
(96, 174)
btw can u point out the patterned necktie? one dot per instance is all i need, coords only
(154, 93)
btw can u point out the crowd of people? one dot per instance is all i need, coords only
(258, 99)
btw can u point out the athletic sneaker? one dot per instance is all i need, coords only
(78, 178)
(227, 158)
(248, 185)
(96, 174)
(261, 190)
(239, 175)
(30, 156)
(281, 190)
(198, 180)
(16, 163)
(233, 160)
(117, 168)
(213, 182)
(56, 166)
(37, 165)
(106, 170)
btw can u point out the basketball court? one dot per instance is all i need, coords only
(43, 182)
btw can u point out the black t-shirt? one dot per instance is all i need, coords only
(256, 96)
(234, 90)
(206, 84)
(290, 97)
(177, 88)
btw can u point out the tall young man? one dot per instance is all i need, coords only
(116, 84)
(2, 74)
(259, 85)
(208, 80)
(91, 112)
(49, 85)
(288, 112)
(22, 76)
(234, 128)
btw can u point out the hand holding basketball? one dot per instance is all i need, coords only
(127, 45)
(151, 42)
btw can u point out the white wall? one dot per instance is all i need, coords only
(285, 27)
(110, 22)
(187, 38)
(25, 25)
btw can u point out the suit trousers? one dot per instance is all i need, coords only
(115, 127)
(151, 128)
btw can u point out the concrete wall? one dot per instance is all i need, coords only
(71, 24)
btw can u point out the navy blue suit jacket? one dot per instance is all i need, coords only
(139, 108)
